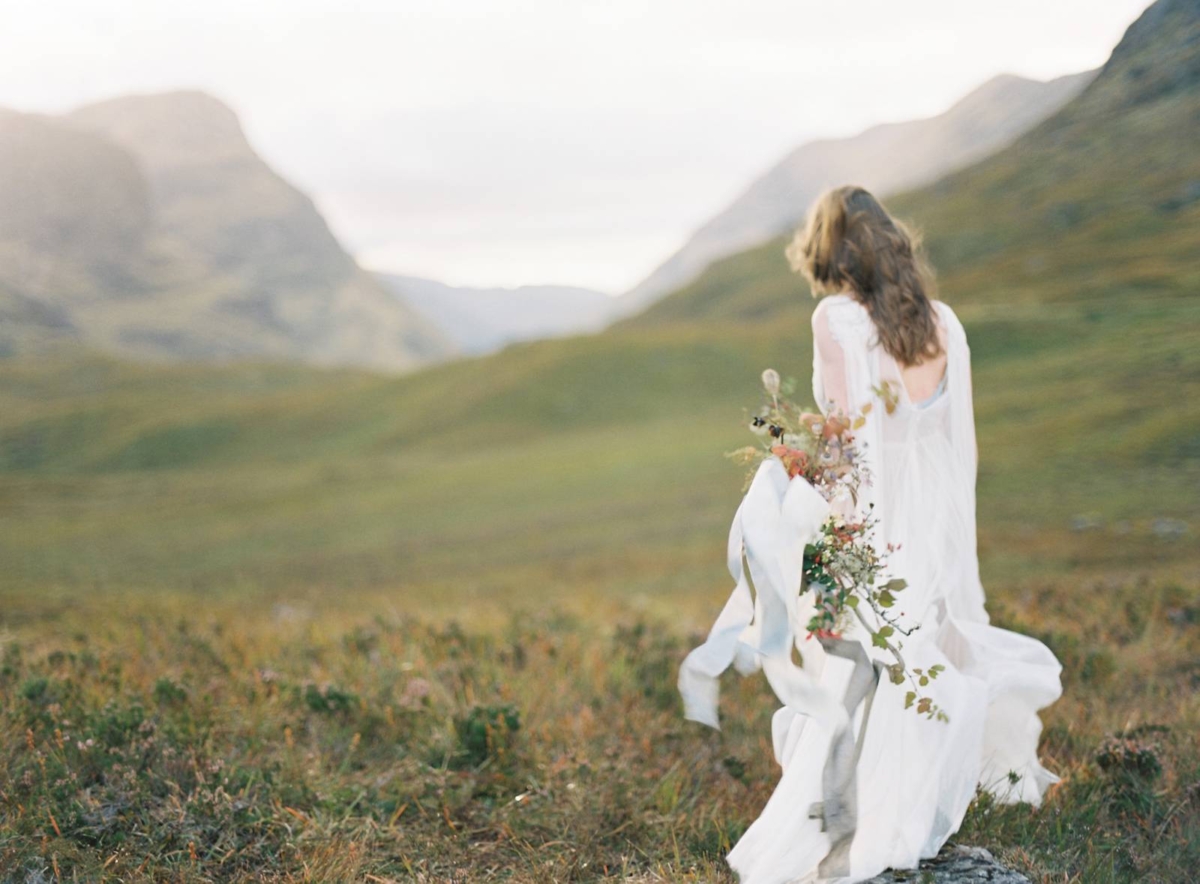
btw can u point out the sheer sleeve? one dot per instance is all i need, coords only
(967, 602)
(962, 420)
(829, 364)
(845, 375)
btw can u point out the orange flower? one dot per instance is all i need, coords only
(794, 460)
(835, 426)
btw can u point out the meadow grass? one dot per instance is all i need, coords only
(307, 666)
(330, 626)
(215, 736)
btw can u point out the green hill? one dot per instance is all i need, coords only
(1099, 204)
(600, 455)
(886, 158)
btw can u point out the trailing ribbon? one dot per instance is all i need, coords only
(757, 629)
(839, 810)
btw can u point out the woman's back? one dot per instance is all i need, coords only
(921, 452)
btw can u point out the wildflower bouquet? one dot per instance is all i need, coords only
(842, 567)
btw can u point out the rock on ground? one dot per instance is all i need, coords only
(956, 864)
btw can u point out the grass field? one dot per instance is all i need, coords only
(284, 606)
(337, 737)
(596, 460)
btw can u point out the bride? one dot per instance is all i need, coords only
(905, 779)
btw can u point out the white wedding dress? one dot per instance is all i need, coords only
(866, 784)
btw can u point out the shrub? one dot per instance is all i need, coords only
(486, 732)
(330, 701)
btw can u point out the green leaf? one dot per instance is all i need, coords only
(852, 601)
(896, 584)
(924, 680)
(909, 699)
(886, 631)
(887, 599)
(878, 640)
(896, 673)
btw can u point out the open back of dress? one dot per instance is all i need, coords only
(922, 456)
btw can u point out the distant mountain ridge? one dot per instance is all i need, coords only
(482, 320)
(1098, 203)
(885, 159)
(147, 227)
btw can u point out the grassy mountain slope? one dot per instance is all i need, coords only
(589, 454)
(1099, 204)
(147, 227)
(885, 158)
(75, 196)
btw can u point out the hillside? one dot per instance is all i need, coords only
(70, 201)
(482, 320)
(1097, 205)
(148, 228)
(885, 159)
(1086, 367)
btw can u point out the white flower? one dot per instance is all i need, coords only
(770, 379)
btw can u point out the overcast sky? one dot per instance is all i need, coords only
(500, 142)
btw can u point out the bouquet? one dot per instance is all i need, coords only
(842, 567)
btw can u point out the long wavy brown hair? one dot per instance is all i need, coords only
(850, 242)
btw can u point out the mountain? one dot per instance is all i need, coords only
(148, 227)
(482, 320)
(69, 202)
(885, 159)
(1098, 204)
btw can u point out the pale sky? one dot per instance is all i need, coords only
(502, 142)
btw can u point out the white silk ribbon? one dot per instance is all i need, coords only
(763, 621)
(757, 628)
